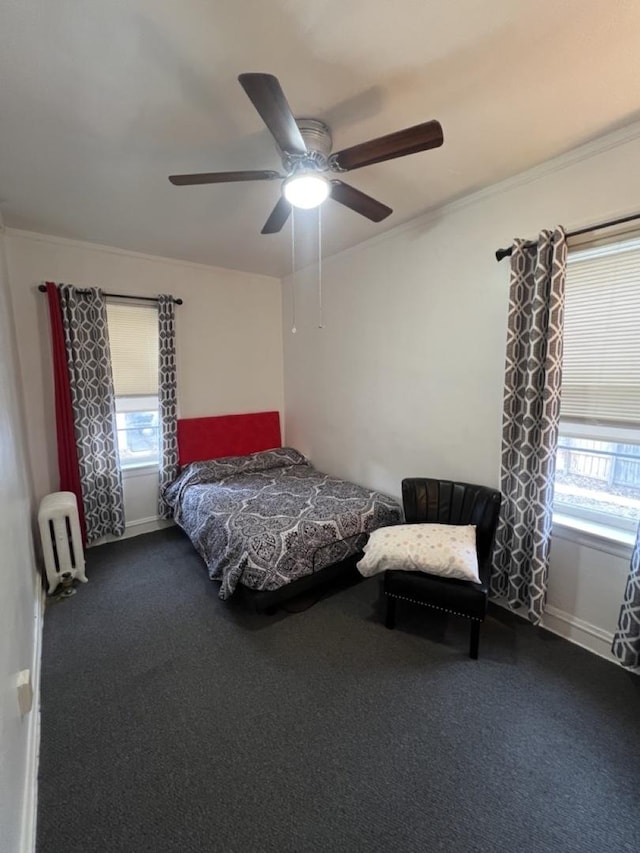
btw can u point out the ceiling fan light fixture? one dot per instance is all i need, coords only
(306, 191)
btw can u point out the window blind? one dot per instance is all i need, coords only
(133, 339)
(601, 360)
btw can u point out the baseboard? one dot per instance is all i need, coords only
(582, 633)
(145, 525)
(570, 627)
(30, 799)
(136, 528)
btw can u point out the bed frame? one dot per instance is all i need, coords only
(268, 601)
(238, 435)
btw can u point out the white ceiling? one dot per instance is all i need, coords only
(100, 100)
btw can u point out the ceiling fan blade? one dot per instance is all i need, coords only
(223, 177)
(278, 217)
(359, 201)
(266, 95)
(420, 137)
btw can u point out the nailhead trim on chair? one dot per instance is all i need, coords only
(434, 606)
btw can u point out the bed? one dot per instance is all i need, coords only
(264, 520)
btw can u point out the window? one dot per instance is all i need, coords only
(598, 460)
(133, 339)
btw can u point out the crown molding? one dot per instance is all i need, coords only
(599, 145)
(129, 253)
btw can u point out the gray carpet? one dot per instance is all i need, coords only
(173, 722)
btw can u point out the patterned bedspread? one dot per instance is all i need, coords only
(269, 518)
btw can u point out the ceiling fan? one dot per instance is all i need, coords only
(305, 148)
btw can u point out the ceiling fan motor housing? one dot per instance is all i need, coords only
(317, 138)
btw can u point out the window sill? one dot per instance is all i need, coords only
(611, 540)
(142, 470)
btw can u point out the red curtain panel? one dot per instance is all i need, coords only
(67, 452)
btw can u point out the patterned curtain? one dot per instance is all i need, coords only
(167, 400)
(530, 421)
(86, 337)
(626, 640)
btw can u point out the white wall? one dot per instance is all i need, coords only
(19, 602)
(406, 377)
(228, 339)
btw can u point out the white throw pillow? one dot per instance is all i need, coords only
(437, 549)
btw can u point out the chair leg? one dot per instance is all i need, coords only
(475, 639)
(390, 621)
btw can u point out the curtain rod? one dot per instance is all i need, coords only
(43, 289)
(505, 253)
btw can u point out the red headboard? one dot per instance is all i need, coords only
(227, 435)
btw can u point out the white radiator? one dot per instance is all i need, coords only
(61, 539)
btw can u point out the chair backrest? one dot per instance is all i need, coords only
(448, 502)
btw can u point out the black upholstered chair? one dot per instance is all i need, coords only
(447, 502)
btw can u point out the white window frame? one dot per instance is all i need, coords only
(591, 524)
(137, 394)
(130, 405)
(607, 531)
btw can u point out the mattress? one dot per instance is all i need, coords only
(269, 518)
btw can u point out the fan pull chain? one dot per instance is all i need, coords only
(293, 271)
(320, 311)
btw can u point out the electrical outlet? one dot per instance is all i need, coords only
(25, 691)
